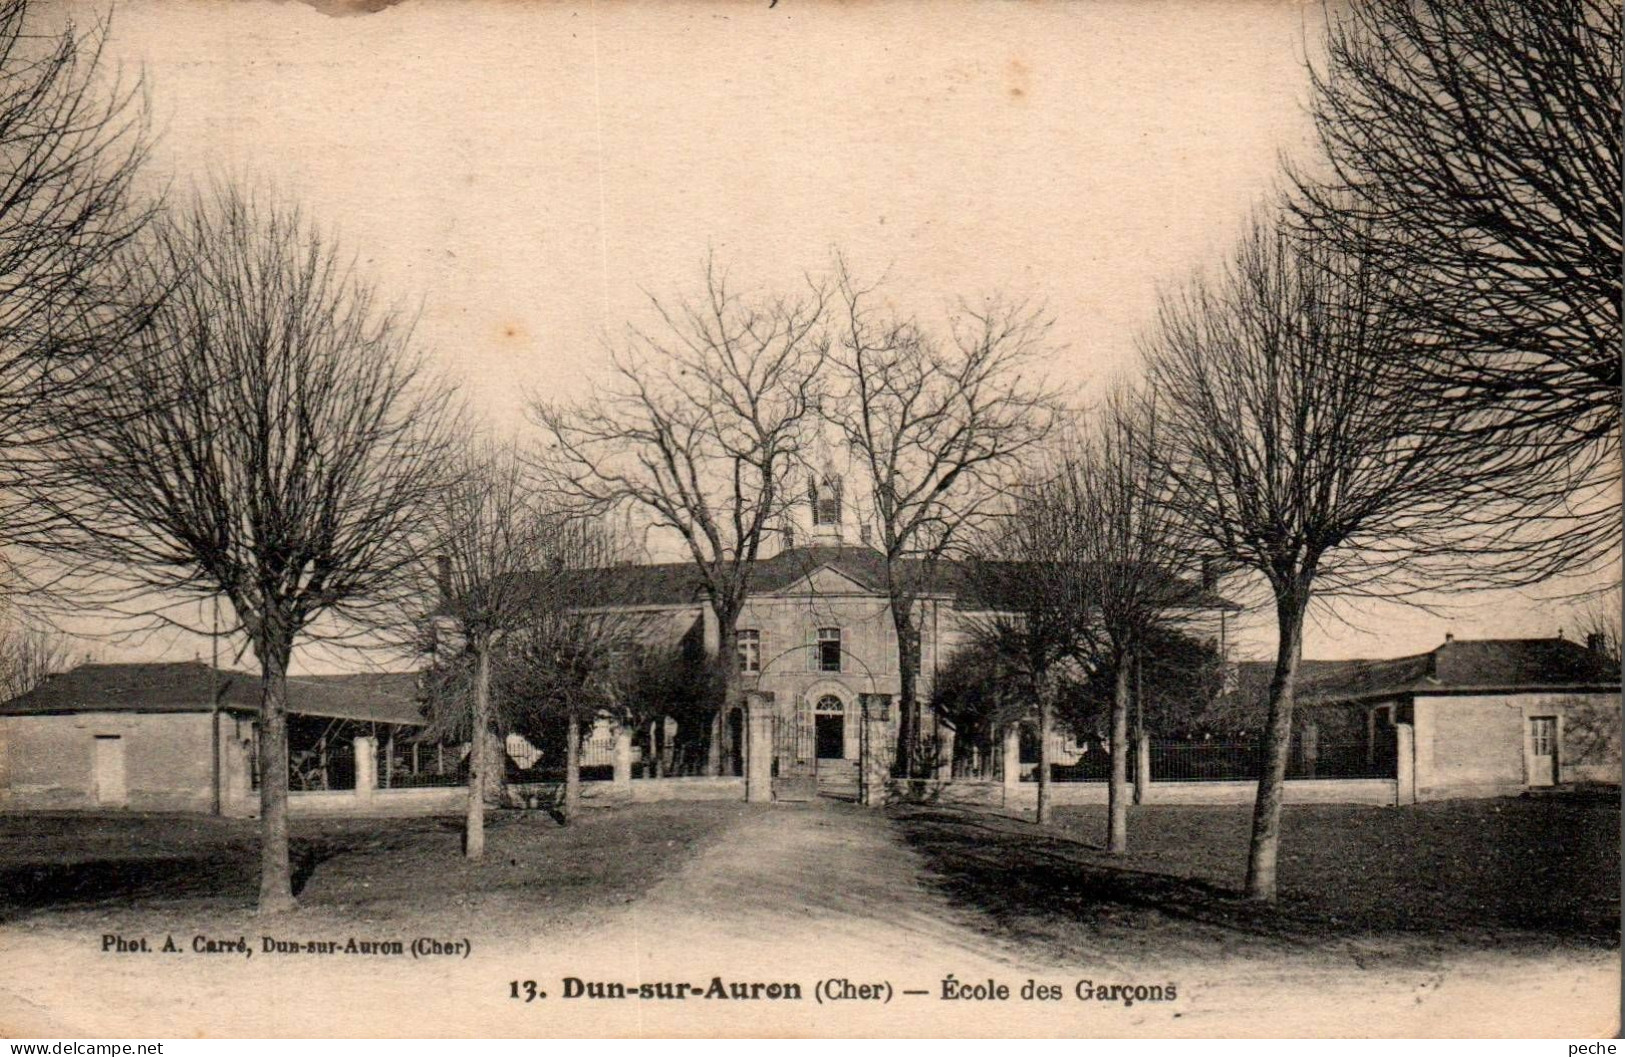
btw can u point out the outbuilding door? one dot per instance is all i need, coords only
(1542, 750)
(107, 771)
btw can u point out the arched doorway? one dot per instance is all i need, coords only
(829, 724)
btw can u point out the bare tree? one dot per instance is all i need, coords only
(1474, 154)
(1600, 625)
(272, 442)
(571, 663)
(71, 143)
(1591, 722)
(29, 655)
(698, 429)
(520, 640)
(1300, 455)
(1031, 613)
(938, 427)
(490, 538)
(1130, 549)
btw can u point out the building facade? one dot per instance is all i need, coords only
(818, 646)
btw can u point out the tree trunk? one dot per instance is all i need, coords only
(714, 756)
(1044, 695)
(908, 696)
(1117, 794)
(732, 688)
(276, 873)
(1277, 743)
(572, 769)
(474, 832)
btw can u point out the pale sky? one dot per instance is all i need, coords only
(526, 171)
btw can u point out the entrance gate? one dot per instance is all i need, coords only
(795, 757)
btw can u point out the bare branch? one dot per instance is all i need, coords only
(1474, 156)
(271, 440)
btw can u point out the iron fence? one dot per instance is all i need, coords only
(411, 765)
(1232, 760)
(1236, 759)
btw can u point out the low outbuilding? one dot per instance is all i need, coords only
(1485, 717)
(181, 736)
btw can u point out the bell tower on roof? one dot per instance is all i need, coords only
(826, 508)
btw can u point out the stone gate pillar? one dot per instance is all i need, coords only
(759, 715)
(945, 753)
(366, 766)
(1012, 759)
(1405, 764)
(621, 776)
(875, 767)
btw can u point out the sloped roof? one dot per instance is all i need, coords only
(379, 697)
(1457, 666)
(189, 686)
(679, 583)
(1002, 585)
(864, 566)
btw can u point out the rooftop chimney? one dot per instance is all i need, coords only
(1449, 638)
(1597, 643)
(1210, 578)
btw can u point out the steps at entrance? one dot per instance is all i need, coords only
(838, 778)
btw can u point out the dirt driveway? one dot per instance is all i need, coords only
(796, 895)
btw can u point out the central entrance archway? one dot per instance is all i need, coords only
(829, 721)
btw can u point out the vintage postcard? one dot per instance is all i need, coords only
(788, 518)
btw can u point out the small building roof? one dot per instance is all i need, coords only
(1458, 666)
(191, 686)
(378, 697)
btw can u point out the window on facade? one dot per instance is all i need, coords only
(916, 644)
(826, 502)
(750, 650)
(829, 649)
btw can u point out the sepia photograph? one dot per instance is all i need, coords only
(810, 519)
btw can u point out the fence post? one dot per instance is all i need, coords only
(1012, 760)
(875, 765)
(1309, 738)
(1142, 767)
(758, 747)
(366, 766)
(1404, 764)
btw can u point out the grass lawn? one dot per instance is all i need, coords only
(1535, 873)
(76, 870)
